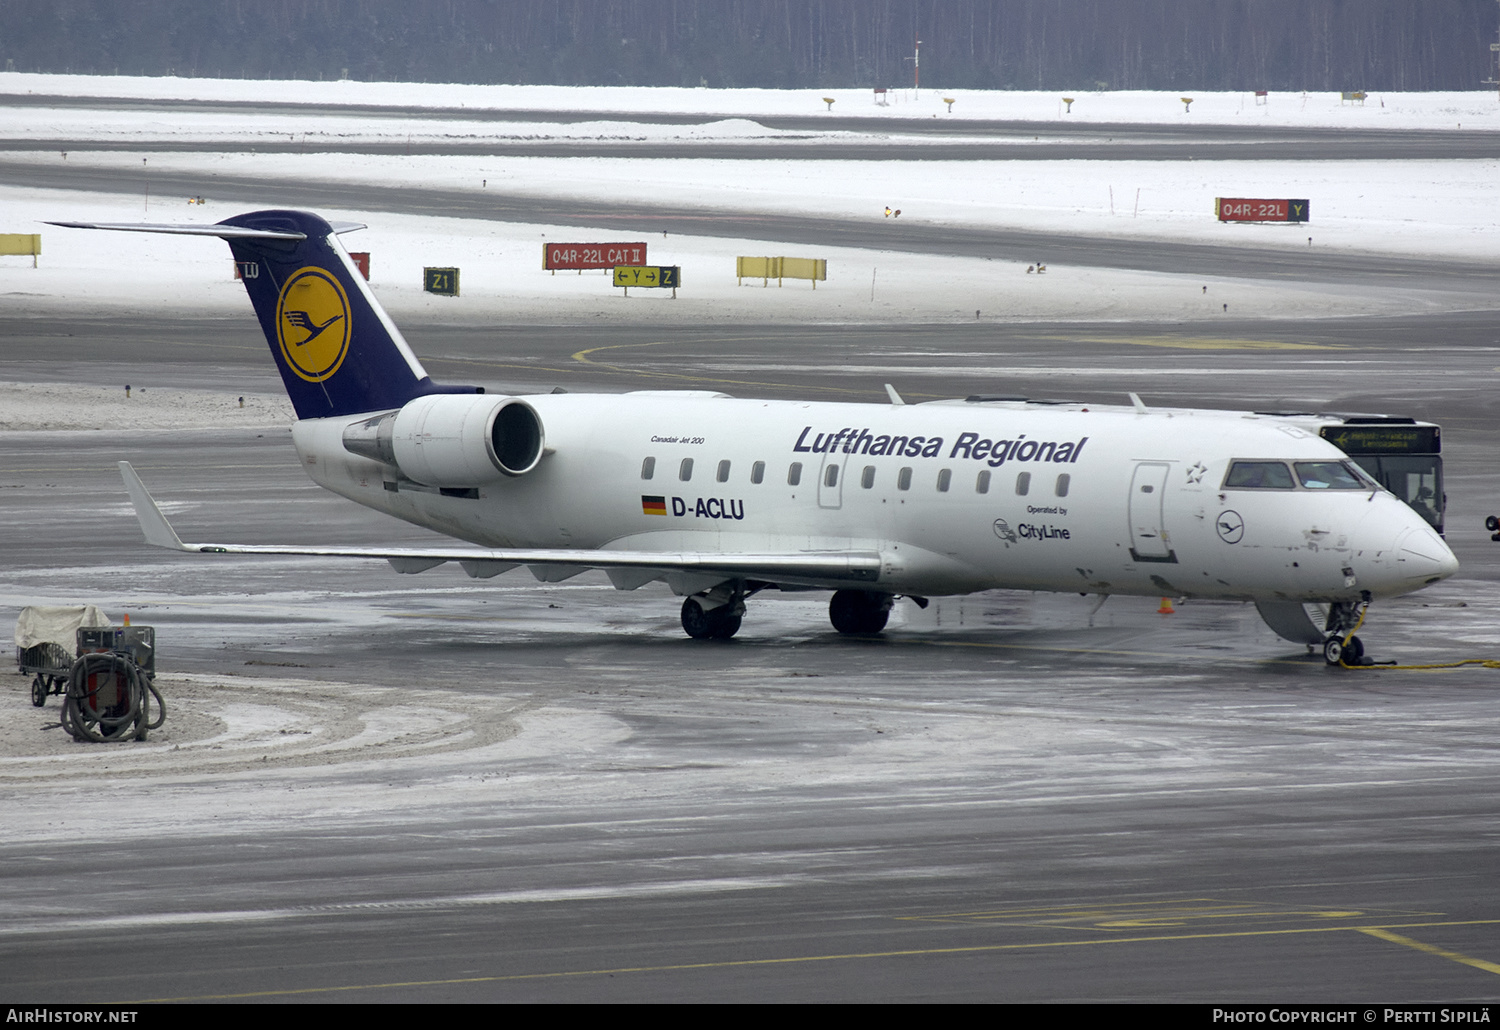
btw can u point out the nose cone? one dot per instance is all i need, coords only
(1422, 558)
(1396, 551)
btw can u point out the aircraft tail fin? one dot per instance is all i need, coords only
(337, 350)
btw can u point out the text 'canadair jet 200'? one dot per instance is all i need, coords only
(721, 498)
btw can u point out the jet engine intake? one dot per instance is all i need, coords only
(453, 440)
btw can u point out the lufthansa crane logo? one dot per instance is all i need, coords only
(1230, 527)
(312, 323)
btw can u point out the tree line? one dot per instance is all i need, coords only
(976, 44)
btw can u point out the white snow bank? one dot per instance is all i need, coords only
(501, 278)
(1476, 110)
(54, 406)
(1446, 209)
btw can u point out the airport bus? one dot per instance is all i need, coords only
(1401, 454)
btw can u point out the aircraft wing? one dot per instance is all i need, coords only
(809, 568)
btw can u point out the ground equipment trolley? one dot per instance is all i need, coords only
(46, 644)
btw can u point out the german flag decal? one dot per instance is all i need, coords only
(653, 505)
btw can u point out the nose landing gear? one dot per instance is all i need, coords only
(1337, 652)
(1342, 647)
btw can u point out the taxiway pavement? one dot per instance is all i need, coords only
(378, 787)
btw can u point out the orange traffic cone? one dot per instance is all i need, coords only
(1166, 607)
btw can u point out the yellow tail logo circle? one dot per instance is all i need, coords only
(312, 323)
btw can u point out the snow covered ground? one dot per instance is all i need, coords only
(74, 406)
(1447, 208)
(1476, 110)
(502, 278)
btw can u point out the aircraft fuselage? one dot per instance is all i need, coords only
(955, 497)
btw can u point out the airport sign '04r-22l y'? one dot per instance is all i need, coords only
(1244, 209)
(721, 498)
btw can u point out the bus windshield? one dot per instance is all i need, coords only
(1415, 478)
(1401, 454)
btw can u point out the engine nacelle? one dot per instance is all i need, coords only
(453, 440)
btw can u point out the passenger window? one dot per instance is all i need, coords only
(867, 477)
(1023, 484)
(831, 476)
(758, 472)
(1062, 484)
(648, 468)
(723, 475)
(945, 479)
(685, 472)
(903, 479)
(982, 484)
(1259, 475)
(794, 474)
(1327, 475)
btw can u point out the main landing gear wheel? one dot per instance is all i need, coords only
(859, 611)
(1336, 652)
(718, 624)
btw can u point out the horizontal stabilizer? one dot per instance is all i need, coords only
(810, 567)
(223, 232)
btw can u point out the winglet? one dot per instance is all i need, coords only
(891, 392)
(159, 533)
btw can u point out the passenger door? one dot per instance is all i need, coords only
(1149, 540)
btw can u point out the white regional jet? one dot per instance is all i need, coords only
(721, 498)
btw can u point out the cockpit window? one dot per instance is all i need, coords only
(1329, 475)
(1260, 475)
